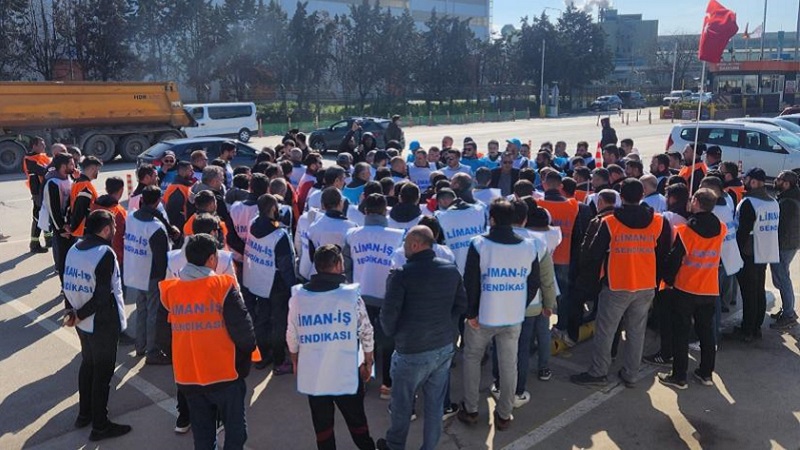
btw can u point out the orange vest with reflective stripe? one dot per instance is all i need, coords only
(77, 188)
(563, 215)
(686, 171)
(738, 191)
(700, 266)
(187, 227)
(632, 255)
(202, 351)
(40, 159)
(171, 189)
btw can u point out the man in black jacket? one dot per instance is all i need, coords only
(788, 242)
(424, 299)
(505, 176)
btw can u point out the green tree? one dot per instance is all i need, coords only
(12, 32)
(154, 39)
(582, 53)
(198, 36)
(362, 40)
(270, 51)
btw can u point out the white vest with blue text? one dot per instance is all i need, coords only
(355, 216)
(327, 334)
(304, 264)
(441, 251)
(138, 254)
(328, 230)
(176, 261)
(405, 226)
(420, 176)
(242, 216)
(546, 242)
(45, 215)
(504, 280)
(134, 202)
(80, 282)
(458, 227)
(730, 257)
(371, 249)
(765, 230)
(258, 273)
(486, 195)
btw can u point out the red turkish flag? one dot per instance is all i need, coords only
(719, 27)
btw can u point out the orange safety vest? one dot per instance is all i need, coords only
(699, 269)
(686, 171)
(40, 159)
(737, 191)
(632, 255)
(580, 196)
(187, 228)
(77, 188)
(171, 189)
(202, 351)
(563, 215)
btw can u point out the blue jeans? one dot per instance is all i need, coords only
(427, 370)
(538, 326)
(783, 281)
(229, 403)
(562, 278)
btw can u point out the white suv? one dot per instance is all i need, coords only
(754, 144)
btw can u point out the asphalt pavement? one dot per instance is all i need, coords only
(753, 405)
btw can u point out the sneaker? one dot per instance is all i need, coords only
(568, 340)
(284, 369)
(657, 359)
(705, 381)
(82, 422)
(450, 411)
(522, 399)
(126, 339)
(502, 424)
(157, 358)
(584, 379)
(386, 392)
(112, 430)
(37, 248)
(783, 323)
(694, 346)
(628, 383)
(545, 374)
(668, 380)
(495, 391)
(776, 315)
(467, 417)
(182, 425)
(381, 444)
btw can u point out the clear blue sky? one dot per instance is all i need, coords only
(674, 16)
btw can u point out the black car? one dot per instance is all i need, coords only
(183, 148)
(329, 138)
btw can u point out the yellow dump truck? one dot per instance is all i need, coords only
(103, 119)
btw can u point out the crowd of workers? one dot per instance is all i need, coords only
(398, 263)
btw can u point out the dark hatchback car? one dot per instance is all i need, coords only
(183, 148)
(324, 139)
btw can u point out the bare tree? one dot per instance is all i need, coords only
(45, 45)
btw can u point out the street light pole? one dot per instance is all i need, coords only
(541, 84)
(674, 66)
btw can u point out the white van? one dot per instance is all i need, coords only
(223, 119)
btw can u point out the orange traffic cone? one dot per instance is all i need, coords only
(255, 356)
(598, 156)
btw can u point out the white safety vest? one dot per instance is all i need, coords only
(765, 229)
(45, 219)
(486, 195)
(458, 227)
(405, 226)
(135, 201)
(327, 334)
(730, 257)
(314, 200)
(328, 230)
(543, 240)
(552, 237)
(138, 254)
(176, 261)
(258, 271)
(80, 282)
(656, 201)
(304, 265)
(355, 216)
(371, 249)
(399, 259)
(420, 176)
(242, 216)
(592, 199)
(504, 280)
(297, 174)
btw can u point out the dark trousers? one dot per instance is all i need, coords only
(685, 308)
(98, 358)
(183, 405)
(35, 231)
(384, 343)
(269, 323)
(662, 310)
(352, 409)
(61, 246)
(203, 407)
(752, 279)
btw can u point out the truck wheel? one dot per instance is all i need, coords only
(169, 135)
(101, 146)
(11, 155)
(244, 135)
(133, 146)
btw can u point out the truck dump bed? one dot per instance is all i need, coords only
(36, 105)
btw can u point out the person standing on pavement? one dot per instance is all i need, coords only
(424, 300)
(115, 187)
(758, 215)
(55, 205)
(788, 243)
(211, 362)
(608, 134)
(460, 222)
(243, 213)
(501, 279)
(633, 243)
(505, 176)
(176, 195)
(733, 185)
(93, 291)
(330, 228)
(691, 268)
(329, 371)
(394, 132)
(146, 248)
(83, 194)
(35, 167)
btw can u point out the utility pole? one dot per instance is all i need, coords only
(763, 31)
(674, 66)
(542, 107)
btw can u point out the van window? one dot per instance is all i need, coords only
(755, 140)
(229, 112)
(197, 113)
(722, 136)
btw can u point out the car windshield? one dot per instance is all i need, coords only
(605, 97)
(788, 138)
(157, 150)
(786, 125)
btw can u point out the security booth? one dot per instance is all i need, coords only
(762, 85)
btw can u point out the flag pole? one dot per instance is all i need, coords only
(697, 127)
